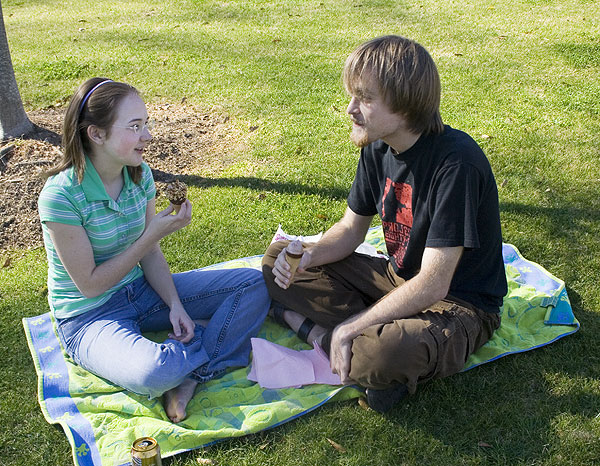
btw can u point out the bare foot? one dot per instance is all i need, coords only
(294, 320)
(177, 399)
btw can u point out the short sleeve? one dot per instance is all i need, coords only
(453, 207)
(361, 199)
(55, 204)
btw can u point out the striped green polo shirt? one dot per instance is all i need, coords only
(112, 226)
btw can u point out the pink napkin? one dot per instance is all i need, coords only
(275, 366)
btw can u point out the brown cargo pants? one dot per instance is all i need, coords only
(431, 344)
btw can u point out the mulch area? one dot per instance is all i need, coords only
(183, 140)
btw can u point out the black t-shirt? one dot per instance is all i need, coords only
(439, 193)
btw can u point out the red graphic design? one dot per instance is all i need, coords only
(397, 218)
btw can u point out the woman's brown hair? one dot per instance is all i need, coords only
(94, 103)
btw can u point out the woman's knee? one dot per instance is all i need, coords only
(154, 376)
(253, 282)
(252, 277)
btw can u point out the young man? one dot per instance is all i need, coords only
(391, 324)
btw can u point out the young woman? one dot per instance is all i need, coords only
(108, 281)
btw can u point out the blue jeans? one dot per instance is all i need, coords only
(108, 340)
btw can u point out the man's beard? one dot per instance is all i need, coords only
(360, 139)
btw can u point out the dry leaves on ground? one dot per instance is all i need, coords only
(184, 139)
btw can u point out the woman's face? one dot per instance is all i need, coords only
(128, 136)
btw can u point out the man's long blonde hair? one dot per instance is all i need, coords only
(406, 76)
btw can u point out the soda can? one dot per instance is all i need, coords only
(145, 452)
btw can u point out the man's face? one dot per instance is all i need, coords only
(372, 118)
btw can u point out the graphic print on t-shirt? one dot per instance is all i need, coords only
(396, 218)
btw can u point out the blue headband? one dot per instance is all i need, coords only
(87, 96)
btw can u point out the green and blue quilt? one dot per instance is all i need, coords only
(102, 420)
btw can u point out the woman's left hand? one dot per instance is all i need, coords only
(183, 325)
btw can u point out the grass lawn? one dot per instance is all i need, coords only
(522, 77)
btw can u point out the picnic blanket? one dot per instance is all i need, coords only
(102, 420)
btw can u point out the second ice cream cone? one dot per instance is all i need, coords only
(293, 254)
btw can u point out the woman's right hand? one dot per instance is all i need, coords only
(165, 222)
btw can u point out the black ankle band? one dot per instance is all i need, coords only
(305, 329)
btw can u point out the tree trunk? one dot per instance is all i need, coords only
(13, 119)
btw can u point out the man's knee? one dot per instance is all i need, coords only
(268, 262)
(271, 254)
(388, 355)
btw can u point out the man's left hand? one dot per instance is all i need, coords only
(340, 353)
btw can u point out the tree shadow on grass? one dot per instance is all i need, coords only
(570, 229)
(256, 184)
(579, 55)
(569, 215)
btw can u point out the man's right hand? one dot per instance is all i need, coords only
(281, 268)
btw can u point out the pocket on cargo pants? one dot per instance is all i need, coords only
(431, 344)
(459, 331)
